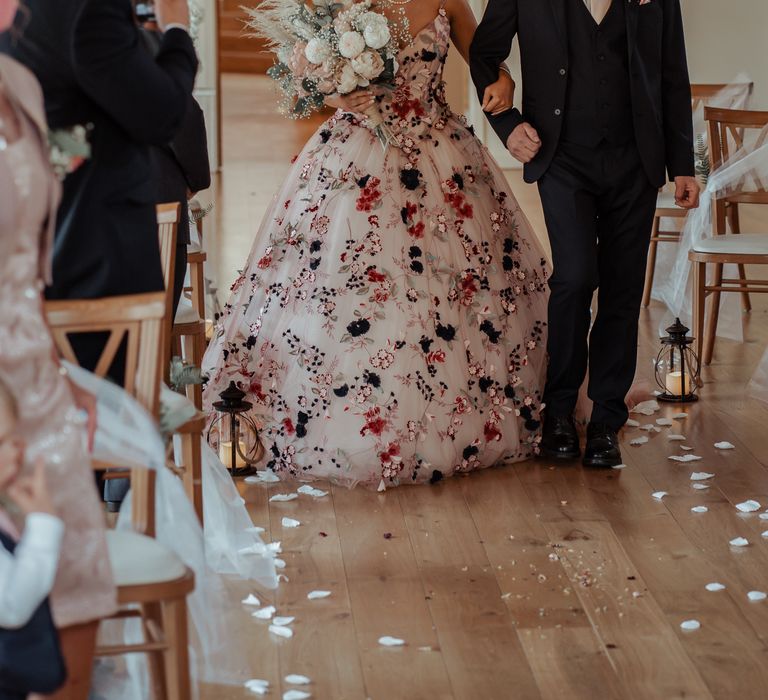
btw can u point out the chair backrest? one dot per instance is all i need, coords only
(728, 130)
(136, 320)
(732, 95)
(167, 232)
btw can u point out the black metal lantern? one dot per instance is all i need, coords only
(234, 434)
(677, 366)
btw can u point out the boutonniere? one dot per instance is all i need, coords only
(68, 149)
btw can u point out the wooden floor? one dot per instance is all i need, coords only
(528, 581)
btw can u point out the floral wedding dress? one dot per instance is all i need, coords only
(389, 326)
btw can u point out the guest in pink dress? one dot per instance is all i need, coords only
(50, 422)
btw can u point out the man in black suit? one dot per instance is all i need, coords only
(606, 110)
(94, 70)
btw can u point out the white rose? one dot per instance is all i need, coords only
(377, 35)
(351, 44)
(346, 81)
(368, 64)
(368, 19)
(317, 51)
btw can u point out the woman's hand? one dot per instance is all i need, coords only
(30, 491)
(498, 97)
(358, 101)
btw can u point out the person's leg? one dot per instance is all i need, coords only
(570, 212)
(625, 218)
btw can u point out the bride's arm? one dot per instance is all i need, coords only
(498, 96)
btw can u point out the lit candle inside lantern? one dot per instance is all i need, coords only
(225, 454)
(678, 384)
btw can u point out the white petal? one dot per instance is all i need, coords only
(739, 542)
(763, 516)
(700, 487)
(646, 408)
(725, 446)
(765, 534)
(296, 695)
(699, 509)
(631, 423)
(663, 422)
(279, 563)
(685, 458)
(714, 587)
(639, 441)
(748, 506)
(285, 632)
(256, 530)
(265, 477)
(756, 596)
(680, 416)
(701, 476)
(310, 491)
(619, 466)
(290, 522)
(265, 613)
(690, 625)
(257, 686)
(296, 679)
(283, 497)
(686, 448)
(675, 437)
(648, 427)
(283, 621)
(391, 642)
(317, 595)
(658, 495)
(251, 600)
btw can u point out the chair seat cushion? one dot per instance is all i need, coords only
(666, 200)
(741, 244)
(139, 560)
(186, 313)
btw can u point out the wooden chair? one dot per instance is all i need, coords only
(727, 132)
(701, 95)
(152, 582)
(191, 433)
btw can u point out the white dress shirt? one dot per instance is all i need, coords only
(26, 577)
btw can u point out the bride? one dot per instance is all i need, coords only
(389, 325)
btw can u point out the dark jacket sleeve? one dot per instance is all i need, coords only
(676, 94)
(489, 49)
(147, 97)
(190, 147)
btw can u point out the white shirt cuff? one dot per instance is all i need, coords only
(177, 25)
(43, 531)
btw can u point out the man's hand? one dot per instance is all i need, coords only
(172, 12)
(524, 143)
(687, 192)
(498, 96)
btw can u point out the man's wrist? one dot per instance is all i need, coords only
(176, 25)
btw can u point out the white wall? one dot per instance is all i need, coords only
(726, 38)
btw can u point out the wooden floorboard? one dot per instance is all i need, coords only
(524, 581)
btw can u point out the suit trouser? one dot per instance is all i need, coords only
(598, 206)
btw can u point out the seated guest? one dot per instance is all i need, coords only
(95, 71)
(181, 168)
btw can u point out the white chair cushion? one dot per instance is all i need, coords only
(186, 313)
(194, 248)
(741, 244)
(138, 560)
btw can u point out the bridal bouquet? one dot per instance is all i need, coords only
(323, 48)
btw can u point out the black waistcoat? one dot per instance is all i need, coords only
(598, 104)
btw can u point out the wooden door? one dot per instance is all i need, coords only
(238, 52)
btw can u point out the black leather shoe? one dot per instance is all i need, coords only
(559, 439)
(602, 448)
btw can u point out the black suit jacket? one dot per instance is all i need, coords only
(659, 83)
(93, 68)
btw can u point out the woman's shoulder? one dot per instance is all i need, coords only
(21, 81)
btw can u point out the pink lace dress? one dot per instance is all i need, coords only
(389, 325)
(84, 589)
